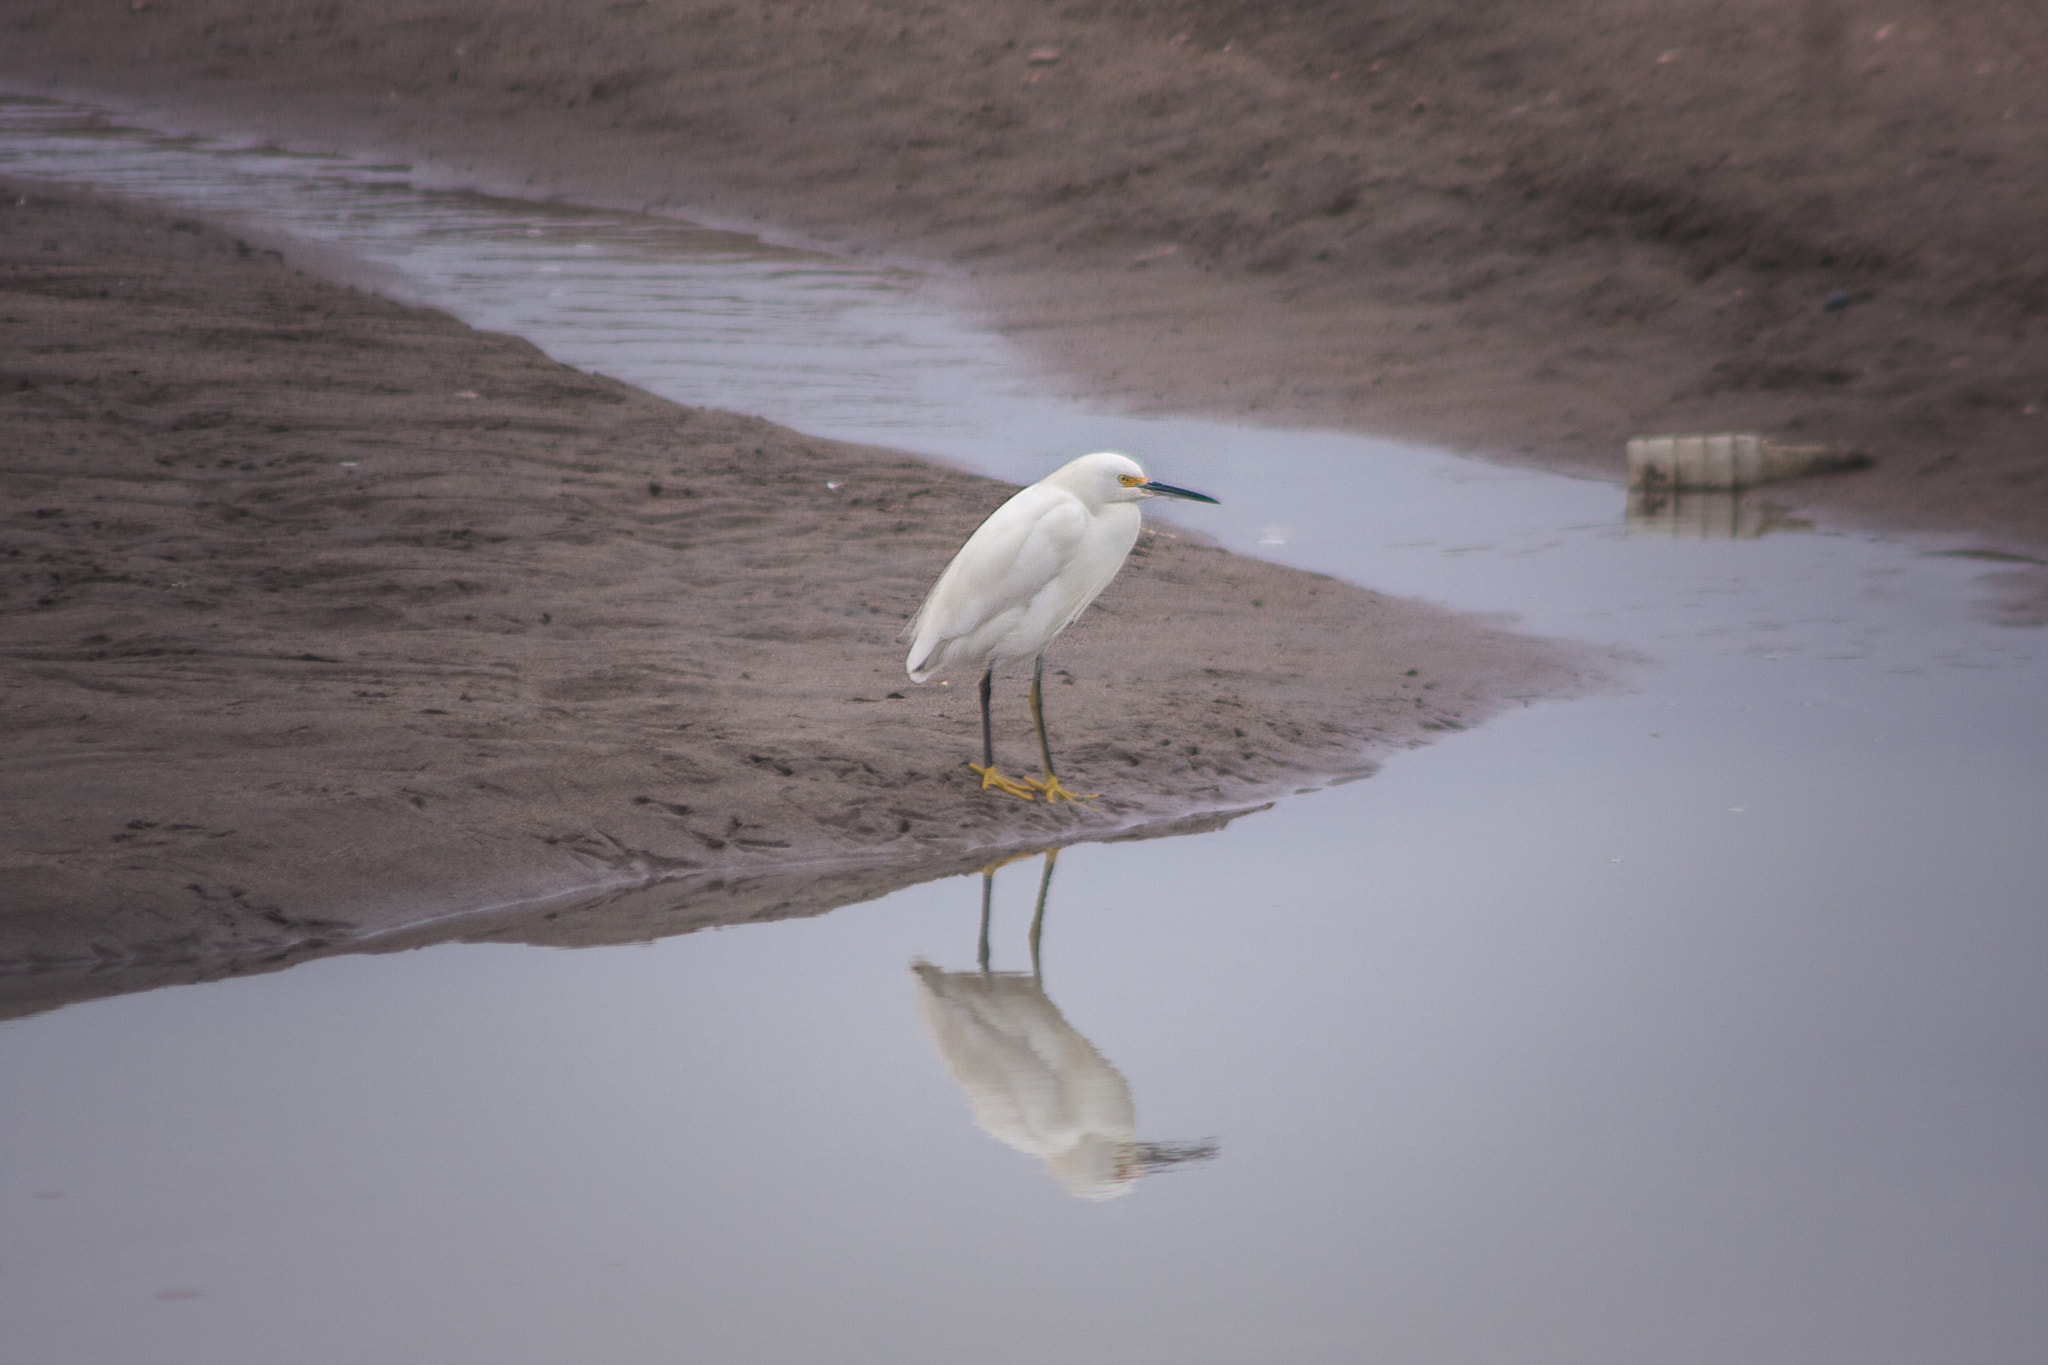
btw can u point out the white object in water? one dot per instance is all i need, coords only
(1728, 460)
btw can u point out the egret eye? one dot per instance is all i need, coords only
(1131, 480)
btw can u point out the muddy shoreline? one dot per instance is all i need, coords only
(327, 616)
(1526, 233)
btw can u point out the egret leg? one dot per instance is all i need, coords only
(1054, 789)
(987, 767)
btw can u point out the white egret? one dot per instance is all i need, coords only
(1022, 578)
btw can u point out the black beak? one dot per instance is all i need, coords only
(1167, 490)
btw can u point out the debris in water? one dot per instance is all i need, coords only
(1729, 460)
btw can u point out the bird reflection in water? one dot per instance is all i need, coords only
(1034, 1082)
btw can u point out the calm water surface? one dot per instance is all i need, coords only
(1705, 1023)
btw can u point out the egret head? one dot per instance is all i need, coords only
(1106, 477)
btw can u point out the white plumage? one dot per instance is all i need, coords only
(1024, 576)
(1030, 569)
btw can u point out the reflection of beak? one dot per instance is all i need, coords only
(1167, 490)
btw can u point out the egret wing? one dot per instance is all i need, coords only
(1002, 568)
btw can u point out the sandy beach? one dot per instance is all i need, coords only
(330, 619)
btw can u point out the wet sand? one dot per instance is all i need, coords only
(329, 618)
(1527, 231)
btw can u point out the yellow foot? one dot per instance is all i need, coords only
(991, 778)
(1055, 790)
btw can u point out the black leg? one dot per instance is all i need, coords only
(986, 769)
(1052, 787)
(1038, 714)
(988, 733)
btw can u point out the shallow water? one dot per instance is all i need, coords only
(1701, 1023)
